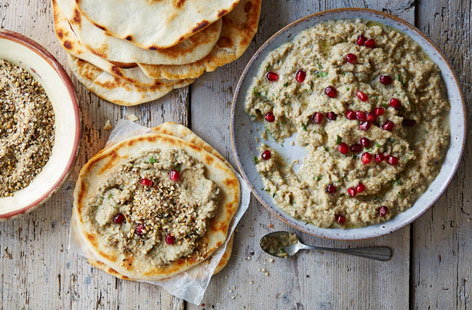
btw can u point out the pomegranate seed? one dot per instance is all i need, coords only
(360, 116)
(331, 92)
(370, 43)
(392, 160)
(356, 148)
(139, 230)
(370, 117)
(266, 155)
(330, 188)
(351, 58)
(350, 115)
(351, 191)
(385, 79)
(360, 188)
(343, 148)
(331, 116)
(170, 239)
(379, 157)
(383, 210)
(269, 116)
(366, 158)
(119, 218)
(408, 122)
(272, 76)
(146, 182)
(379, 111)
(365, 142)
(300, 76)
(174, 175)
(340, 219)
(317, 118)
(361, 40)
(362, 96)
(395, 103)
(388, 125)
(365, 126)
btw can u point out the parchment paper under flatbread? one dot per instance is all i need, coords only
(116, 90)
(154, 24)
(239, 28)
(96, 171)
(122, 51)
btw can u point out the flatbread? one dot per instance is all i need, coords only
(239, 28)
(116, 90)
(117, 50)
(105, 162)
(154, 24)
(74, 47)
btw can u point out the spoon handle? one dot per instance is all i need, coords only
(381, 253)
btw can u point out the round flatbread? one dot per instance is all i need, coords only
(122, 51)
(239, 28)
(154, 24)
(134, 265)
(116, 90)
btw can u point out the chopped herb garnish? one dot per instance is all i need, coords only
(348, 88)
(326, 149)
(321, 73)
(152, 160)
(273, 195)
(110, 195)
(286, 84)
(255, 160)
(304, 127)
(378, 145)
(397, 181)
(338, 140)
(318, 178)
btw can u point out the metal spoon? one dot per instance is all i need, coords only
(284, 244)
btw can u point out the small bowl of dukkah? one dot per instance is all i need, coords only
(348, 124)
(39, 125)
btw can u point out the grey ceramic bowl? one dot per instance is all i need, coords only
(244, 131)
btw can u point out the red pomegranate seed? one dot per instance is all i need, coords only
(331, 92)
(340, 219)
(395, 103)
(350, 115)
(408, 122)
(351, 191)
(317, 118)
(118, 218)
(356, 148)
(388, 125)
(385, 79)
(379, 111)
(331, 116)
(351, 58)
(365, 126)
(139, 230)
(330, 188)
(174, 175)
(269, 116)
(362, 96)
(370, 43)
(146, 182)
(392, 160)
(360, 115)
(360, 188)
(366, 158)
(272, 76)
(383, 210)
(266, 155)
(170, 239)
(361, 40)
(343, 148)
(365, 142)
(370, 117)
(300, 76)
(379, 157)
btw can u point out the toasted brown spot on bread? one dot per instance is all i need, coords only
(200, 26)
(247, 6)
(129, 38)
(68, 44)
(178, 3)
(208, 159)
(99, 26)
(153, 48)
(222, 12)
(116, 70)
(60, 33)
(231, 182)
(224, 42)
(110, 163)
(77, 18)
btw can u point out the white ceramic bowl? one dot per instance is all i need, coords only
(28, 54)
(244, 131)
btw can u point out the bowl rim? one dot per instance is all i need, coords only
(291, 25)
(57, 67)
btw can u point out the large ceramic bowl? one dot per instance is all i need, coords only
(28, 54)
(244, 131)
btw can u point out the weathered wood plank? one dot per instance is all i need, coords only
(441, 238)
(311, 280)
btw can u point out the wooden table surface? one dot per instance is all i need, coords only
(431, 267)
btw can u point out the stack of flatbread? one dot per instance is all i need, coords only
(133, 51)
(93, 232)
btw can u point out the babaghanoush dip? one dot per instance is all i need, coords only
(370, 108)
